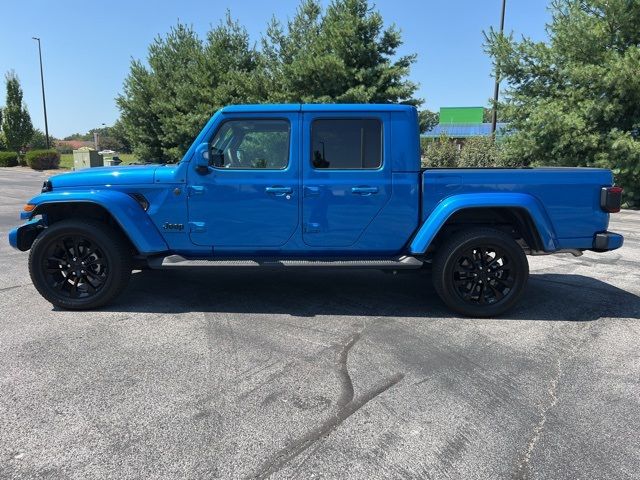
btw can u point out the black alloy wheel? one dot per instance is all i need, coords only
(483, 275)
(75, 266)
(480, 272)
(80, 264)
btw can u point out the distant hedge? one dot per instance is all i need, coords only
(43, 159)
(474, 152)
(8, 159)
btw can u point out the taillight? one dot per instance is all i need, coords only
(611, 199)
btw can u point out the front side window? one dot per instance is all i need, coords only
(251, 144)
(346, 143)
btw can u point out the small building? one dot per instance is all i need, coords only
(459, 123)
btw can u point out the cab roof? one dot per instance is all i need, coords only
(318, 107)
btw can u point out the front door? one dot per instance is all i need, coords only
(346, 181)
(249, 198)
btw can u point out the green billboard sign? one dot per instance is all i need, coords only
(450, 115)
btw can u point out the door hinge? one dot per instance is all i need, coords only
(197, 227)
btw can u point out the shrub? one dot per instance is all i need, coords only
(424, 143)
(483, 152)
(442, 152)
(43, 159)
(63, 148)
(8, 159)
(479, 152)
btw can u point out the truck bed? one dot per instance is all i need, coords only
(569, 196)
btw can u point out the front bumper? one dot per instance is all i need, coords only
(605, 241)
(22, 237)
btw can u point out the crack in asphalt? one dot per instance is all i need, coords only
(347, 404)
(4, 289)
(524, 467)
(346, 391)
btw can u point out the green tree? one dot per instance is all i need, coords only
(3, 143)
(487, 114)
(16, 122)
(229, 66)
(286, 54)
(118, 133)
(39, 140)
(427, 120)
(79, 136)
(166, 103)
(575, 100)
(342, 55)
(158, 92)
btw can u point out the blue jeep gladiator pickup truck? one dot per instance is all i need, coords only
(290, 186)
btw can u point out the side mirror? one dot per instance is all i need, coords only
(202, 159)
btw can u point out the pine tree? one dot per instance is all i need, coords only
(166, 103)
(341, 55)
(575, 100)
(344, 55)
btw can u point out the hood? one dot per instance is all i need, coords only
(127, 175)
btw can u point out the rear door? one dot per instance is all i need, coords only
(346, 181)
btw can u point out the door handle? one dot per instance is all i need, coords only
(279, 190)
(364, 190)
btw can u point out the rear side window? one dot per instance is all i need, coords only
(346, 144)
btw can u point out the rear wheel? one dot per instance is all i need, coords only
(80, 264)
(480, 272)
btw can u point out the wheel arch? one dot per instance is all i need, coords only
(55, 212)
(117, 209)
(514, 220)
(521, 212)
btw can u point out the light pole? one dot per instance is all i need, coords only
(44, 101)
(496, 88)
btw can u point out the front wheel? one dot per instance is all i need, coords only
(80, 264)
(480, 272)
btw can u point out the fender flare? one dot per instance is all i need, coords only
(128, 214)
(450, 205)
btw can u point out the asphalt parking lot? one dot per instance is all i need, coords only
(321, 375)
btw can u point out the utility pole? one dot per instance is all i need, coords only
(496, 88)
(44, 101)
(96, 136)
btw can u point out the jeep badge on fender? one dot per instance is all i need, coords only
(172, 226)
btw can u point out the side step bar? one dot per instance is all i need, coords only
(177, 261)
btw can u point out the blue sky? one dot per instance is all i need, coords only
(87, 46)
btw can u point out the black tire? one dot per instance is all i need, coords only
(480, 272)
(80, 264)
